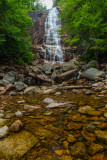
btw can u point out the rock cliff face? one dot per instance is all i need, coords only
(38, 30)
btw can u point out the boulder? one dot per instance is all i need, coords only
(92, 73)
(32, 90)
(16, 126)
(65, 76)
(78, 150)
(71, 65)
(16, 145)
(4, 131)
(46, 67)
(19, 86)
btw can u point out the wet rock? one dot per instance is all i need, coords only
(9, 115)
(48, 100)
(12, 93)
(50, 91)
(86, 110)
(9, 78)
(3, 122)
(90, 127)
(65, 157)
(16, 145)
(78, 150)
(88, 136)
(47, 113)
(16, 126)
(92, 73)
(1, 115)
(94, 113)
(46, 67)
(32, 90)
(4, 131)
(102, 126)
(19, 86)
(59, 152)
(21, 102)
(31, 108)
(58, 93)
(56, 105)
(65, 144)
(71, 138)
(18, 114)
(74, 126)
(95, 148)
(30, 81)
(101, 135)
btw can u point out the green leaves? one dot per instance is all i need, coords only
(85, 21)
(15, 43)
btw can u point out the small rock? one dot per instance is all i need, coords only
(48, 100)
(50, 91)
(78, 150)
(2, 111)
(58, 93)
(90, 127)
(4, 131)
(16, 126)
(3, 122)
(19, 86)
(18, 114)
(1, 115)
(106, 106)
(85, 110)
(99, 84)
(12, 93)
(56, 105)
(65, 144)
(95, 148)
(71, 138)
(19, 102)
(47, 113)
(105, 115)
(28, 107)
(74, 126)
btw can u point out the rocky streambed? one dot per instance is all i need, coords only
(65, 119)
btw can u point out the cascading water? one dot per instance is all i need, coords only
(52, 39)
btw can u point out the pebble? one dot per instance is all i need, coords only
(13, 94)
(20, 102)
(4, 131)
(1, 115)
(18, 114)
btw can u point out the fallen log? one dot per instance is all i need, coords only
(42, 78)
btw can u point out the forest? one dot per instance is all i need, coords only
(83, 24)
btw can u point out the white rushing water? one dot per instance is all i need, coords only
(52, 38)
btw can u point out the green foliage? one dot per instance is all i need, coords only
(55, 3)
(84, 21)
(15, 43)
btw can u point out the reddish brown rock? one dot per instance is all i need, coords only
(16, 126)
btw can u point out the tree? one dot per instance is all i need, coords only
(84, 21)
(15, 43)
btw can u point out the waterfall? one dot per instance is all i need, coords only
(52, 41)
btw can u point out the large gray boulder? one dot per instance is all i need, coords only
(16, 145)
(92, 73)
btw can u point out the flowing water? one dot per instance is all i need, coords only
(52, 40)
